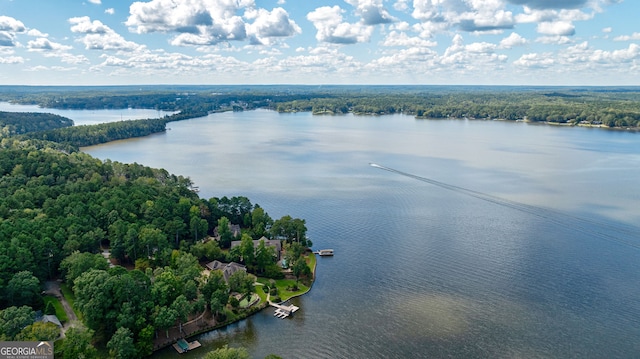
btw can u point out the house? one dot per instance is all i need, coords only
(48, 318)
(235, 231)
(275, 243)
(227, 268)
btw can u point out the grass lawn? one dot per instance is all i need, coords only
(260, 291)
(60, 313)
(282, 285)
(245, 301)
(311, 262)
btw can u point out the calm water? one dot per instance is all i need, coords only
(518, 241)
(88, 117)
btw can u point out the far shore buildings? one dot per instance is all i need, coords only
(275, 243)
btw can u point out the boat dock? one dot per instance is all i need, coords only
(283, 311)
(324, 252)
(182, 346)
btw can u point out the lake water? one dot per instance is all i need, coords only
(89, 117)
(503, 240)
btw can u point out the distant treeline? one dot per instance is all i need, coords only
(609, 109)
(608, 106)
(16, 123)
(89, 135)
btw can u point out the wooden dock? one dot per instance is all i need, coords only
(283, 311)
(182, 346)
(324, 252)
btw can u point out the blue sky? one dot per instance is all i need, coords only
(456, 42)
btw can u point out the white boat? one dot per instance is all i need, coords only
(325, 252)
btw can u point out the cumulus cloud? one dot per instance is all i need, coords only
(558, 28)
(11, 60)
(633, 37)
(468, 15)
(401, 39)
(535, 60)
(372, 12)
(44, 44)
(98, 36)
(10, 24)
(110, 11)
(97, 2)
(9, 27)
(270, 24)
(331, 28)
(512, 40)
(210, 22)
(551, 4)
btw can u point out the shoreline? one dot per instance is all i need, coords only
(258, 307)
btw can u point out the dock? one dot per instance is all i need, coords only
(182, 346)
(283, 311)
(324, 252)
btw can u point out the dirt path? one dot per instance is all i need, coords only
(52, 288)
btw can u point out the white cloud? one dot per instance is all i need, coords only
(512, 40)
(554, 40)
(607, 30)
(44, 44)
(535, 60)
(270, 24)
(372, 12)
(551, 4)
(11, 60)
(84, 25)
(98, 36)
(97, 2)
(9, 27)
(330, 27)
(559, 28)
(10, 24)
(197, 22)
(110, 11)
(633, 37)
(36, 33)
(401, 39)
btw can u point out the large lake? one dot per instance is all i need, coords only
(498, 240)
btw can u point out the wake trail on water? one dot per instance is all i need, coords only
(565, 220)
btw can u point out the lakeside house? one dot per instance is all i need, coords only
(235, 231)
(227, 268)
(275, 243)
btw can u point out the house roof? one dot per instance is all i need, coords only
(267, 242)
(51, 318)
(227, 268)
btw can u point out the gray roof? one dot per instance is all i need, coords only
(50, 318)
(276, 243)
(227, 268)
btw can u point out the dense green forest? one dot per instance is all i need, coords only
(15, 123)
(58, 210)
(88, 135)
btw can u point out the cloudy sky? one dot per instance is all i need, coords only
(486, 42)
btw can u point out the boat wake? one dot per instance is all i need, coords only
(599, 229)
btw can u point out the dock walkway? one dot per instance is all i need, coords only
(282, 311)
